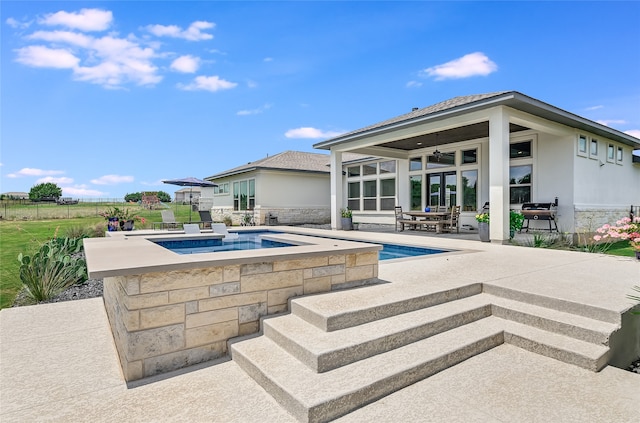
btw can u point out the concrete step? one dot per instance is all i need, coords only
(344, 309)
(323, 351)
(560, 347)
(569, 324)
(579, 309)
(321, 397)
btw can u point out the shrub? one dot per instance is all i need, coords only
(227, 220)
(57, 265)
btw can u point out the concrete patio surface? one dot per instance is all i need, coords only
(58, 361)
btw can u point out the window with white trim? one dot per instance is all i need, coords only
(582, 146)
(593, 149)
(244, 195)
(221, 189)
(611, 153)
(619, 156)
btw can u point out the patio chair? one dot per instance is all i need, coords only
(205, 219)
(401, 220)
(452, 222)
(168, 220)
(191, 228)
(221, 228)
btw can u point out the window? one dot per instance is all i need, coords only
(611, 153)
(441, 160)
(520, 184)
(353, 171)
(388, 167)
(370, 169)
(469, 190)
(387, 194)
(619, 156)
(353, 195)
(369, 193)
(520, 149)
(593, 149)
(221, 189)
(582, 145)
(469, 156)
(416, 192)
(415, 163)
(244, 195)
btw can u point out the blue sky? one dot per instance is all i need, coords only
(107, 98)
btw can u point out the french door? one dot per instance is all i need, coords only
(442, 189)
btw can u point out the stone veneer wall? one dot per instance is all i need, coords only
(589, 219)
(285, 215)
(168, 320)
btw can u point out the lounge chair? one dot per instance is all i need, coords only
(205, 219)
(191, 228)
(221, 228)
(168, 220)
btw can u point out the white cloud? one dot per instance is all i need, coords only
(268, 59)
(633, 132)
(73, 38)
(472, 64)
(610, 122)
(252, 84)
(16, 24)
(58, 181)
(112, 180)
(85, 20)
(257, 111)
(45, 57)
(208, 83)
(82, 191)
(307, 132)
(414, 84)
(186, 64)
(28, 171)
(193, 33)
(594, 107)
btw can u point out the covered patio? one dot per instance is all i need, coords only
(504, 148)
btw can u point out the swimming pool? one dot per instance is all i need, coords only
(252, 240)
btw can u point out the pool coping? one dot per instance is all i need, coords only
(131, 253)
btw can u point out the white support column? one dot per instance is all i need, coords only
(499, 175)
(336, 189)
(404, 185)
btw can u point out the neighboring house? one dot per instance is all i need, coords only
(182, 195)
(15, 195)
(505, 148)
(292, 186)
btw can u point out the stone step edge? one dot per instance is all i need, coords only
(365, 314)
(326, 409)
(585, 310)
(322, 361)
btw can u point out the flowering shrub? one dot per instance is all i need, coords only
(625, 229)
(121, 214)
(482, 217)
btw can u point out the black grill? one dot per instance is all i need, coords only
(539, 211)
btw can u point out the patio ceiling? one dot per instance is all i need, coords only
(449, 136)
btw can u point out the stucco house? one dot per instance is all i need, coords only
(504, 147)
(182, 195)
(291, 186)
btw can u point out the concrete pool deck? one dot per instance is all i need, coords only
(58, 361)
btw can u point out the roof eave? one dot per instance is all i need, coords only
(512, 99)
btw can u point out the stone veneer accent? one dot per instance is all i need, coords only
(165, 321)
(286, 215)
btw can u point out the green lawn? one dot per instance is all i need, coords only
(20, 236)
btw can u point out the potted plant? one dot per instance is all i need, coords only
(483, 226)
(120, 218)
(347, 219)
(516, 219)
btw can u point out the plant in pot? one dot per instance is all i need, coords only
(483, 226)
(347, 219)
(516, 219)
(120, 218)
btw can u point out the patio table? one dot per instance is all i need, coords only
(431, 217)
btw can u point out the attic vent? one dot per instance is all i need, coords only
(414, 109)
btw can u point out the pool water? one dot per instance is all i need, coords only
(249, 241)
(252, 241)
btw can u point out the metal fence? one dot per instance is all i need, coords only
(28, 210)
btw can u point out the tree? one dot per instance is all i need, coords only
(164, 197)
(135, 197)
(45, 191)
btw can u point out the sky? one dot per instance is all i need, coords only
(106, 98)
